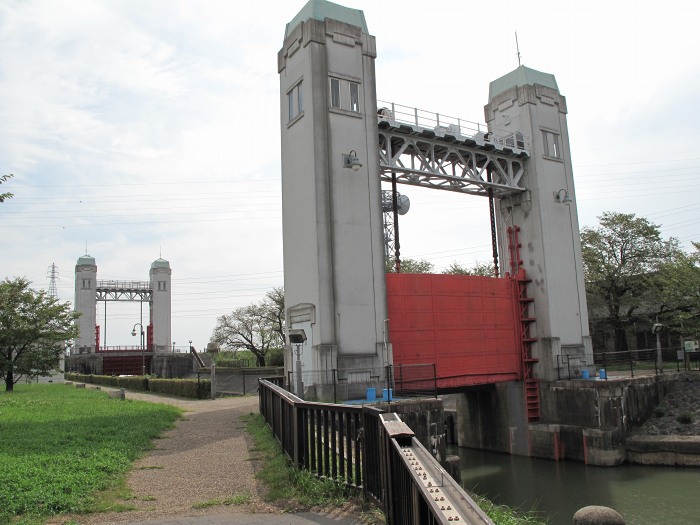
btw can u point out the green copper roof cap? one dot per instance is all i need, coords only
(160, 263)
(522, 76)
(321, 9)
(86, 260)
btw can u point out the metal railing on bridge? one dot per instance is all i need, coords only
(371, 451)
(448, 125)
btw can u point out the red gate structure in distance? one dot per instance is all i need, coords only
(469, 326)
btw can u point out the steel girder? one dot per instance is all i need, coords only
(420, 157)
(124, 291)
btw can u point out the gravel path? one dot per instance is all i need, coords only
(205, 457)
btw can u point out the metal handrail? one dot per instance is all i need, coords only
(371, 451)
(446, 124)
(124, 285)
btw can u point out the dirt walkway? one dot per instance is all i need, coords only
(205, 457)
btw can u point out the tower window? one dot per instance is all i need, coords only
(295, 101)
(345, 95)
(87, 283)
(335, 93)
(354, 97)
(161, 286)
(551, 144)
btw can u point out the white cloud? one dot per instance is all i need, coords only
(137, 127)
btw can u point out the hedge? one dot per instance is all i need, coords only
(190, 388)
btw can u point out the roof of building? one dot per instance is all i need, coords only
(322, 9)
(160, 263)
(522, 76)
(86, 260)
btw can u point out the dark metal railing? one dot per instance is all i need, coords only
(351, 384)
(370, 451)
(629, 362)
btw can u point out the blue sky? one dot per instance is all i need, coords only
(147, 128)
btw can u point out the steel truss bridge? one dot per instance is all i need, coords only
(436, 151)
(124, 291)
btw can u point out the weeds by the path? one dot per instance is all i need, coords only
(299, 489)
(59, 446)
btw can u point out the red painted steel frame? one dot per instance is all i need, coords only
(468, 326)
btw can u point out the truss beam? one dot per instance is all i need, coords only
(141, 291)
(422, 157)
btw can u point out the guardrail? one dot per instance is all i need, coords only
(629, 362)
(351, 384)
(370, 451)
(445, 124)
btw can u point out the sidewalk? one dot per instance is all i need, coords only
(206, 457)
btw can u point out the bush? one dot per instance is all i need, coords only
(659, 412)
(685, 418)
(230, 359)
(275, 357)
(190, 388)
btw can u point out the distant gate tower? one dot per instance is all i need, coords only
(334, 273)
(156, 292)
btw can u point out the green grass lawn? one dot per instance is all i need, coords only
(60, 445)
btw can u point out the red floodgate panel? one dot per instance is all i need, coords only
(467, 325)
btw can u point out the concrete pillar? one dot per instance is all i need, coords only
(334, 275)
(529, 101)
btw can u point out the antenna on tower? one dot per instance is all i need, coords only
(517, 47)
(52, 276)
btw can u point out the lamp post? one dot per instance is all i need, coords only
(143, 352)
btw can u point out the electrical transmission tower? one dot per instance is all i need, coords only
(52, 276)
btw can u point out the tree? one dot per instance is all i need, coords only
(258, 327)
(6, 195)
(680, 291)
(623, 260)
(34, 328)
(273, 311)
(483, 269)
(410, 266)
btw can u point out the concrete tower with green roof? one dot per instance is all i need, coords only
(334, 273)
(546, 213)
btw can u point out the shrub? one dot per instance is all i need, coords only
(659, 412)
(685, 418)
(181, 387)
(275, 357)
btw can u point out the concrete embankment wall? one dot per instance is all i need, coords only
(583, 420)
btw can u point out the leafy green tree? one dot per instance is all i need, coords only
(410, 266)
(34, 328)
(483, 269)
(622, 260)
(6, 195)
(258, 327)
(680, 291)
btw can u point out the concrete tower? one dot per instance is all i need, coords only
(161, 277)
(529, 101)
(333, 248)
(85, 303)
